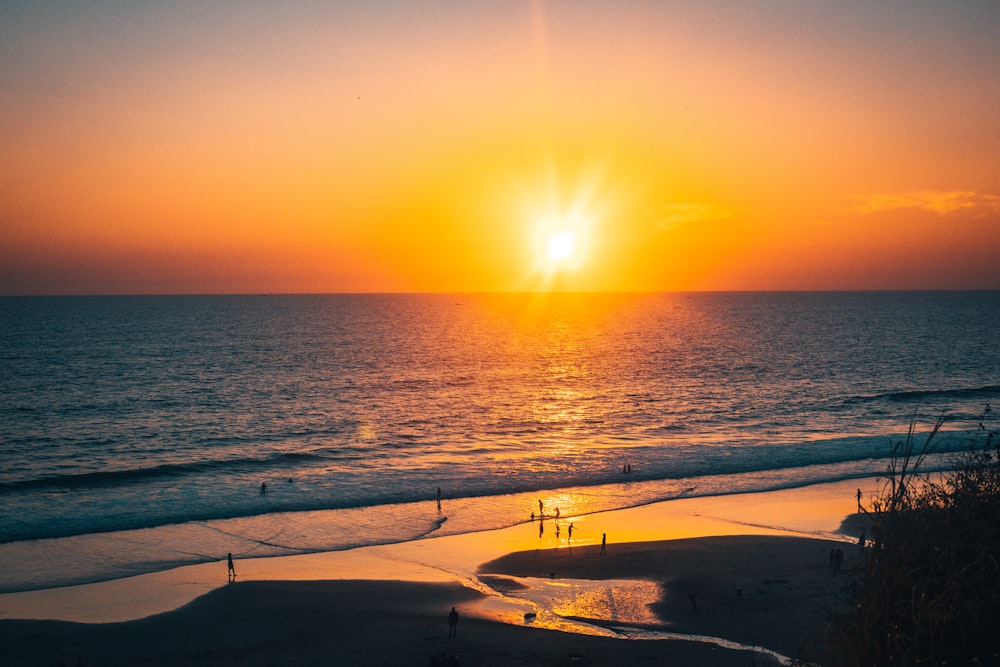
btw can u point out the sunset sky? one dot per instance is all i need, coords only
(498, 146)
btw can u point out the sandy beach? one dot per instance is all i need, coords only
(702, 570)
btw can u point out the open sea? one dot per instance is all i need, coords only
(136, 432)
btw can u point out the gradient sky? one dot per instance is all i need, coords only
(433, 146)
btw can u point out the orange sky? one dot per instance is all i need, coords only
(415, 146)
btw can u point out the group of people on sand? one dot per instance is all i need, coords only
(541, 512)
(541, 526)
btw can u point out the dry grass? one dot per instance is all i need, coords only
(929, 591)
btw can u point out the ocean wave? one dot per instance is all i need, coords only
(221, 490)
(916, 396)
(129, 476)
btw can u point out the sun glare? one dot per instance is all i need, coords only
(561, 226)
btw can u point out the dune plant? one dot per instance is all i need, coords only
(929, 589)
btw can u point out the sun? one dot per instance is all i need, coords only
(560, 243)
(561, 227)
(561, 246)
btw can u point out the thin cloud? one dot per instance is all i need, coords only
(676, 215)
(938, 202)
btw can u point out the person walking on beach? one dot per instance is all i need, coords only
(232, 570)
(604, 544)
(453, 623)
(859, 500)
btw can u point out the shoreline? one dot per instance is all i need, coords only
(40, 564)
(675, 545)
(817, 510)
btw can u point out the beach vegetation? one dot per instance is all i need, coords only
(928, 591)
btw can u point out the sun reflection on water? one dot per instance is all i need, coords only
(624, 602)
(574, 605)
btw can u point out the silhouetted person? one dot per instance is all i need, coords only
(604, 543)
(232, 570)
(836, 559)
(263, 487)
(439, 498)
(570, 531)
(541, 509)
(859, 500)
(452, 623)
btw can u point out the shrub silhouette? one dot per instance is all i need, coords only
(929, 592)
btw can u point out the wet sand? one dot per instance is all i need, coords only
(770, 591)
(332, 623)
(773, 592)
(388, 605)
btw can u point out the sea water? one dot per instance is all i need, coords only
(136, 432)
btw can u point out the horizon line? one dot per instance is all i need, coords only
(506, 292)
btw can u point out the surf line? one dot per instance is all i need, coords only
(435, 526)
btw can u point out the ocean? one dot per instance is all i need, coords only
(136, 432)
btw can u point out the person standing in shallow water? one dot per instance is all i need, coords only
(232, 570)
(453, 623)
